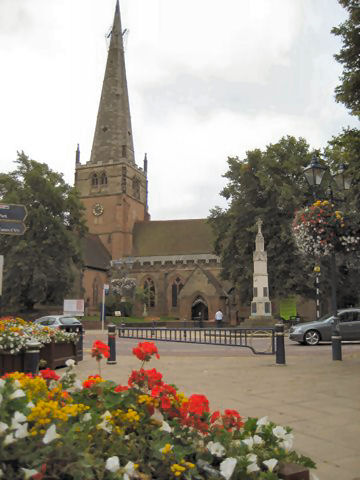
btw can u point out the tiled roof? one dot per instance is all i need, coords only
(172, 237)
(95, 254)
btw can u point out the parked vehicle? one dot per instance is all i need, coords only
(58, 321)
(311, 333)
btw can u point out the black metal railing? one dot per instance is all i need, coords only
(259, 341)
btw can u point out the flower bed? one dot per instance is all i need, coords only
(56, 345)
(60, 428)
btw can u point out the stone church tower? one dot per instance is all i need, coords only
(112, 187)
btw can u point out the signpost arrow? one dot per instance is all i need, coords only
(12, 212)
(12, 228)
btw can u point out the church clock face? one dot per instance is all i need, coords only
(98, 209)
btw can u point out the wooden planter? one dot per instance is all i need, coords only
(56, 354)
(11, 362)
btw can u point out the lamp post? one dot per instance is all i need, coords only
(314, 175)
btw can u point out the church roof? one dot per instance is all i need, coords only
(172, 237)
(95, 254)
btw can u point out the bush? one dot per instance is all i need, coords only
(58, 428)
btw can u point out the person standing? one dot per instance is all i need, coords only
(219, 318)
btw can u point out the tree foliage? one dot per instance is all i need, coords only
(348, 92)
(269, 185)
(39, 265)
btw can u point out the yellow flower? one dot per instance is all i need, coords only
(166, 449)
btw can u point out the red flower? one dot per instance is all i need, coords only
(165, 402)
(40, 475)
(149, 378)
(215, 416)
(121, 388)
(92, 380)
(145, 350)
(49, 374)
(198, 404)
(99, 349)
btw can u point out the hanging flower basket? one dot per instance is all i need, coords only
(320, 229)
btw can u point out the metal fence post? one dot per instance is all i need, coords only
(32, 357)
(112, 344)
(280, 344)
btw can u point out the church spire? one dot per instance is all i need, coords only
(113, 140)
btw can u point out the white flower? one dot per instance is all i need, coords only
(70, 362)
(50, 434)
(227, 467)
(270, 464)
(253, 467)
(17, 394)
(249, 442)
(262, 422)
(251, 457)
(30, 404)
(112, 464)
(258, 440)
(130, 471)
(17, 419)
(215, 448)
(279, 432)
(29, 472)
(105, 425)
(9, 439)
(165, 427)
(22, 431)
(2, 383)
(287, 442)
(87, 417)
(3, 427)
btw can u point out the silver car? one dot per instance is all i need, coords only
(61, 321)
(311, 333)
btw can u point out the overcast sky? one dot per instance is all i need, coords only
(207, 79)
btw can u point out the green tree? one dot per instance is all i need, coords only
(345, 149)
(348, 92)
(39, 265)
(269, 185)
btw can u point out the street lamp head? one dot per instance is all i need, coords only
(314, 172)
(343, 178)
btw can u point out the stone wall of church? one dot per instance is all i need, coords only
(93, 281)
(189, 280)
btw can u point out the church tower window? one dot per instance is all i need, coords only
(175, 290)
(103, 179)
(94, 180)
(149, 292)
(123, 179)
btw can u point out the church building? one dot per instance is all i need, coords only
(172, 260)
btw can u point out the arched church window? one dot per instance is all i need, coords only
(149, 292)
(136, 188)
(175, 290)
(103, 179)
(94, 180)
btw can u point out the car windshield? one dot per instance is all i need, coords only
(69, 321)
(325, 317)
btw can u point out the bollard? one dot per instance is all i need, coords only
(32, 357)
(79, 345)
(112, 344)
(280, 344)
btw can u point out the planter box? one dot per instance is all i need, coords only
(56, 354)
(10, 362)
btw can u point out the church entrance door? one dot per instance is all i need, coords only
(199, 309)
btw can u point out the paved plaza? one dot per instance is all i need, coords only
(317, 397)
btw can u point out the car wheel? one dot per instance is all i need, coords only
(312, 337)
